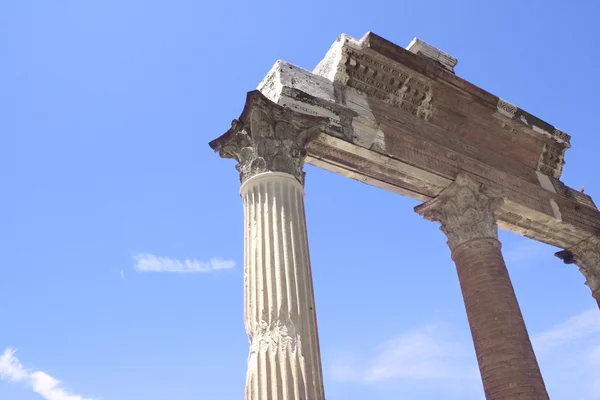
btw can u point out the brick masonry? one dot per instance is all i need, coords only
(509, 369)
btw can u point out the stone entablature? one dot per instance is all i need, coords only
(402, 122)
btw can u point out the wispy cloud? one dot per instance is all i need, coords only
(153, 263)
(569, 356)
(41, 383)
(422, 354)
(593, 360)
(432, 359)
(10, 367)
(575, 328)
(419, 354)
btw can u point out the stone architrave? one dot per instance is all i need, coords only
(507, 363)
(586, 255)
(268, 141)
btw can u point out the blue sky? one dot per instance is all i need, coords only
(106, 109)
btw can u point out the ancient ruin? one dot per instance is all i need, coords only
(399, 119)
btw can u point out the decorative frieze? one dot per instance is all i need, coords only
(390, 85)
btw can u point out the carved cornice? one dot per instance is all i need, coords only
(268, 137)
(466, 211)
(391, 85)
(586, 255)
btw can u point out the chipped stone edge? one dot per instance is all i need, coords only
(331, 66)
(417, 46)
(509, 110)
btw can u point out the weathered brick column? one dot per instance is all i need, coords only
(586, 255)
(280, 317)
(508, 366)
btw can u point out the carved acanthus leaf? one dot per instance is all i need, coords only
(466, 211)
(269, 137)
(277, 336)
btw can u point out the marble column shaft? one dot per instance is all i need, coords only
(507, 363)
(280, 314)
(269, 142)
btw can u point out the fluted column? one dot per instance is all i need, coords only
(586, 255)
(507, 363)
(268, 141)
(280, 315)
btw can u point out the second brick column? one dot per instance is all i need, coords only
(507, 363)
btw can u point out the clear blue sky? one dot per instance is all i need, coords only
(106, 109)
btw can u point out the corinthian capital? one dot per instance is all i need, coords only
(466, 211)
(268, 137)
(586, 255)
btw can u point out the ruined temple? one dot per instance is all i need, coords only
(399, 119)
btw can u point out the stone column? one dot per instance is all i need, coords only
(507, 363)
(280, 317)
(586, 255)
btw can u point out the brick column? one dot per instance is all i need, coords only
(508, 366)
(586, 255)
(268, 141)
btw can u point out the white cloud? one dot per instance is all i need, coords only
(593, 361)
(432, 359)
(593, 357)
(569, 356)
(575, 328)
(422, 354)
(153, 263)
(10, 367)
(41, 383)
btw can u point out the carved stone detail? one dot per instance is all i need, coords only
(563, 136)
(552, 160)
(466, 211)
(506, 108)
(390, 85)
(279, 336)
(268, 138)
(586, 255)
